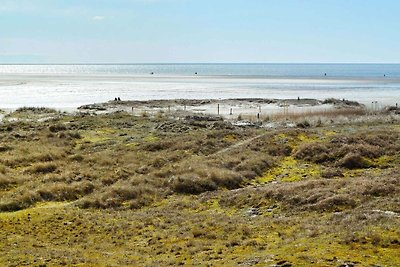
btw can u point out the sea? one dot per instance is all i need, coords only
(67, 86)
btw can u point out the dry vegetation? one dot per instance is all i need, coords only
(154, 191)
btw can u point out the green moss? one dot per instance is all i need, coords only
(230, 138)
(384, 161)
(151, 138)
(329, 133)
(290, 170)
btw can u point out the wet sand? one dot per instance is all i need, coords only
(66, 91)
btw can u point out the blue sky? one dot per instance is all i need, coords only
(131, 31)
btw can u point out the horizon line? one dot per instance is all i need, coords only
(205, 63)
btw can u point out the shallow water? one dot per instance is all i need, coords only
(69, 86)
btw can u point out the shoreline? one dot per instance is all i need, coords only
(66, 91)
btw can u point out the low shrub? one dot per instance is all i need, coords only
(252, 167)
(77, 157)
(334, 203)
(193, 184)
(42, 168)
(3, 169)
(6, 181)
(354, 161)
(25, 200)
(62, 191)
(4, 148)
(157, 146)
(331, 173)
(314, 152)
(118, 195)
(57, 128)
(38, 110)
(382, 187)
(351, 152)
(303, 124)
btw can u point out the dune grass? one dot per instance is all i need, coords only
(117, 190)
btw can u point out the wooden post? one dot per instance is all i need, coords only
(218, 109)
(230, 113)
(169, 109)
(285, 110)
(374, 106)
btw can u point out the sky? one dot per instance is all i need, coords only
(187, 31)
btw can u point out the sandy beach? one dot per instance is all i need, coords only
(69, 91)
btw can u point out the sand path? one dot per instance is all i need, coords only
(239, 144)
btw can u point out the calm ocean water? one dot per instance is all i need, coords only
(69, 86)
(267, 70)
